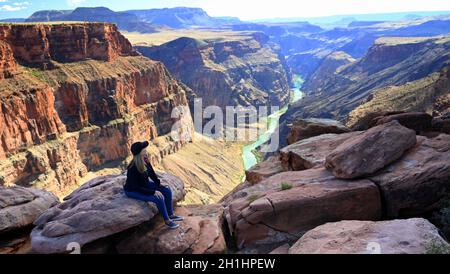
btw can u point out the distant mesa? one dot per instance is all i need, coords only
(125, 21)
(144, 21)
(182, 17)
(13, 20)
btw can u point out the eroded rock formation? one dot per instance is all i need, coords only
(200, 233)
(96, 210)
(19, 207)
(284, 206)
(406, 74)
(311, 152)
(370, 151)
(42, 43)
(411, 236)
(243, 71)
(86, 97)
(419, 181)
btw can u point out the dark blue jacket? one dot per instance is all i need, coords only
(139, 182)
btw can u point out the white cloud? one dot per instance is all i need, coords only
(74, 3)
(255, 9)
(16, 6)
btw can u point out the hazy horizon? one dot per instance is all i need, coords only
(245, 10)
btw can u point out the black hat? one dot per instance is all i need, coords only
(136, 148)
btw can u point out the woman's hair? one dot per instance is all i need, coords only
(139, 162)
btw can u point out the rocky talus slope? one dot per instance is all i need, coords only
(370, 200)
(245, 70)
(73, 99)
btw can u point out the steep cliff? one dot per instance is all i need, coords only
(244, 71)
(85, 109)
(331, 64)
(42, 43)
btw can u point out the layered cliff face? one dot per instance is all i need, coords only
(242, 71)
(7, 62)
(40, 44)
(390, 62)
(84, 112)
(331, 64)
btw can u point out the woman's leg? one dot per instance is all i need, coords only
(167, 198)
(151, 198)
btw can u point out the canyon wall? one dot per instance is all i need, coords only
(242, 70)
(78, 98)
(42, 43)
(397, 63)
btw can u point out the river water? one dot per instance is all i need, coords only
(273, 120)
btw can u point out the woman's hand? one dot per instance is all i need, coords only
(159, 195)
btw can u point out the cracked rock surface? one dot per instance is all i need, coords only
(283, 207)
(200, 233)
(96, 210)
(20, 206)
(412, 236)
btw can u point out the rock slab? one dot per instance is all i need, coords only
(371, 151)
(279, 209)
(199, 233)
(411, 236)
(20, 207)
(98, 209)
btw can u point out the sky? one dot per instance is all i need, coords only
(244, 9)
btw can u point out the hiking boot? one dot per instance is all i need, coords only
(176, 218)
(172, 225)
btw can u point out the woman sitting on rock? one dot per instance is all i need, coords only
(139, 187)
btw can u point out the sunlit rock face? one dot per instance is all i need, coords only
(77, 100)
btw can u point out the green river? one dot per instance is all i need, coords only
(248, 156)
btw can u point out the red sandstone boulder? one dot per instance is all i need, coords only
(416, 183)
(418, 121)
(200, 233)
(284, 206)
(412, 236)
(264, 170)
(310, 153)
(306, 128)
(284, 249)
(367, 121)
(369, 152)
(98, 209)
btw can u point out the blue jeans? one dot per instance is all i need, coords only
(164, 205)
